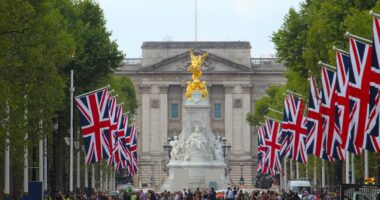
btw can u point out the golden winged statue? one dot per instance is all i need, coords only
(195, 68)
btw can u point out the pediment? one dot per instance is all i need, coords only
(180, 62)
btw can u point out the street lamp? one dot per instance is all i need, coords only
(241, 181)
(167, 147)
(226, 147)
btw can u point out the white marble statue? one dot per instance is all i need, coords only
(196, 144)
(219, 149)
(175, 154)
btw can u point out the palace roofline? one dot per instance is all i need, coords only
(197, 44)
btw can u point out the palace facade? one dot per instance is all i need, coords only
(235, 81)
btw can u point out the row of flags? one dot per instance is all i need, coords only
(344, 116)
(106, 132)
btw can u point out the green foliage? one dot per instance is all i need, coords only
(125, 90)
(261, 108)
(307, 36)
(41, 41)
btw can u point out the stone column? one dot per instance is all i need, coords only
(246, 107)
(145, 122)
(164, 126)
(164, 114)
(228, 113)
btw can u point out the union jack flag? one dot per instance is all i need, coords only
(315, 141)
(94, 120)
(261, 148)
(115, 158)
(342, 106)
(272, 160)
(359, 87)
(327, 109)
(122, 148)
(296, 126)
(133, 149)
(286, 136)
(114, 113)
(131, 143)
(373, 123)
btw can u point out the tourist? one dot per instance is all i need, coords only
(235, 192)
(189, 195)
(212, 194)
(229, 194)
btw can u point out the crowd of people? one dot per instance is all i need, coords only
(186, 194)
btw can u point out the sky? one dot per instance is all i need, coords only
(132, 22)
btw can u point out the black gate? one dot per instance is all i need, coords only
(347, 190)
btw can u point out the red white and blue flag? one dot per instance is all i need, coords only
(272, 160)
(315, 141)
(296, 127)
(114, 115)
(131, 143)
(261, 148)
(94, 120)
(373, 123)
(342, 105)
(122, 148)
(286, 135)
(327, 109)
(359, 87)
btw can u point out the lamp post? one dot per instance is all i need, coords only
(226, 147)
(241, 181)
(167, 147)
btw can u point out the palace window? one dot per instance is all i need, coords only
(174, 110)
(217, 111)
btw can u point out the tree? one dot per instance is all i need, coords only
(308, 35)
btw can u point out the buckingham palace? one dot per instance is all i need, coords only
(235, 81)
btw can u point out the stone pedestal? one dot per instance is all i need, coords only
(197, 157)
(194, 175)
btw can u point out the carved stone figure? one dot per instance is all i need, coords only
(196, 144)
(175, 154)
(218, 149)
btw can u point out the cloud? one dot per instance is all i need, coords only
(243, 7)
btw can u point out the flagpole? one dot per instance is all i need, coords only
(285, 175)
(78, 165)
(348, 34)
(45, 164)
(71, 129)
(315, 172)
(26, 152)
(366, 173)
(323, 174)
(374, 14)
(92, 91)
(347, 167)
(85, 176)
(41, 154)
(107, 183)
(340, 50)
(196, 20)
(291, 169)
(101, 178)
(352, 168)
(92, 177)
(326, 65)
(7, 152)
(297, 170)
(294, 93)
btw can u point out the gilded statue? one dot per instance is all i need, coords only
(195, 69)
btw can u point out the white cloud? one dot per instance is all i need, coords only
(243, 7)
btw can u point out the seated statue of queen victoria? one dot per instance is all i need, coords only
(196, 144)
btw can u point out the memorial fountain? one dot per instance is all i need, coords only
(197, 157)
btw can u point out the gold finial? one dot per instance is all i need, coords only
(195, 69)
